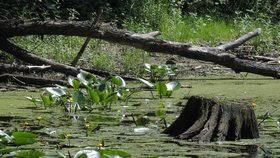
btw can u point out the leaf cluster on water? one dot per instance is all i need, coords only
(89, 92)
(156, 76)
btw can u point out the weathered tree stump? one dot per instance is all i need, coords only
(206, 120)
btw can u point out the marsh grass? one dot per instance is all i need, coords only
(61, 49)
(198, 30)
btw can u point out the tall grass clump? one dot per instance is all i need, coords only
(203, 29)
(198, 30)
(167, 17)
(152, 13)
(268, 41)
(133, 61)
(59, 48)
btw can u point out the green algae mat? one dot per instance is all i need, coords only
(136, 128)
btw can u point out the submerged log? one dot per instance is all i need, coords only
(206, 120)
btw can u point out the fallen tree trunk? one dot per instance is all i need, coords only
(147, 42)
(28, 57)
(9, 68)
(29, 80)
(206, 119)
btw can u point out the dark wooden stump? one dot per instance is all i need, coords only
(205, 119)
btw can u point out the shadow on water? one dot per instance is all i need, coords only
(12, 117)
(228, 78)
(237, 150)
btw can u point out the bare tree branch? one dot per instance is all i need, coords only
(83, 48)
(29, 80)
(33, 59)
(80, 28)
(26, 56)
(21, 68)
(240, 40)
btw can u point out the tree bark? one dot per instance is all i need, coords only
(24, 55)
(9, 68)
(205, 119)
(29, 80)
(28, 57)
(147, 42)
(83, 48)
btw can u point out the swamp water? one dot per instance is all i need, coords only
(119, 132)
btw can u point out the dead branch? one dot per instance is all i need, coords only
(265, 58)
(240, 40)
(28, 57)
(83, 48)
(29, 80)
(21, 68)
(80, 28)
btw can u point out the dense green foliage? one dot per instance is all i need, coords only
(133, 9)
(226, 8)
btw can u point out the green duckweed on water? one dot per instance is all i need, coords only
(117, 128)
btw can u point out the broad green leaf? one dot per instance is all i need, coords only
(168, 93)
(117, 80)
(106, 153)
(171, 86)
(56, 91)
(76, 84)
(102, 87)
(149, 84)
(93, 95)
(23, 138)
(161, 88)
(111, 98)
(73, 82)
(46, 100)
(79, 98)
(61, 87)
(7, 151)
(162, 69)
(161, 113)
(154, 66)
(29, 154)
(83, 156)
(86, 78)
